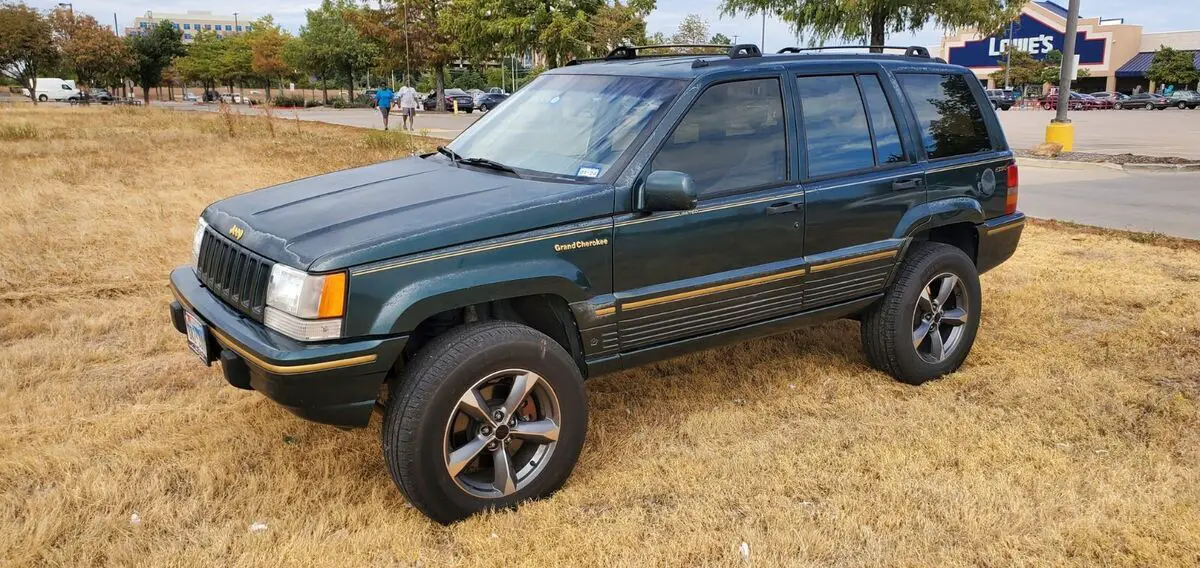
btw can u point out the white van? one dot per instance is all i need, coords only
(54, 89)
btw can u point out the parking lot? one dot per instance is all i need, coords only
(1170, 132)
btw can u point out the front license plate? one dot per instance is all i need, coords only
(197, 334)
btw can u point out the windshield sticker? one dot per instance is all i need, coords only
(586, 172)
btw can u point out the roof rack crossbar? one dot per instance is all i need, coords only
(909, 51)
(738, 51)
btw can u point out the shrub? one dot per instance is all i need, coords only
(23, 131)
(288, 101)
(343, 103)
(312, 103)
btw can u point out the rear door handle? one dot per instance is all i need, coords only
(783, 207)
(904, 184)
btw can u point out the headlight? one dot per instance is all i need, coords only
(305, 306)
(197, 238)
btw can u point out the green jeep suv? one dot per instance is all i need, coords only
(611, 213)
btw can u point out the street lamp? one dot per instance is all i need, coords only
(236, 27)
(1060, 129)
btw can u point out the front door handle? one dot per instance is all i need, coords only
(783, 207)
(905, 184)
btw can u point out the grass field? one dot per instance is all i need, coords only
(1070, 437)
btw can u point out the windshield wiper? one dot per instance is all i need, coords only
(492, 164)
(454, 157)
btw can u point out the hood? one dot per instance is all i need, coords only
(396, 208)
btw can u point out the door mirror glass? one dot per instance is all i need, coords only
(667, 190)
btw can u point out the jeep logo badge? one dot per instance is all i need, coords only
(237, 232)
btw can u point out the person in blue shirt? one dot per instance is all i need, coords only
(383, 99)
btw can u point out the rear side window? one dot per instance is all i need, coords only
(732, 138)
(950, 118)
(836, 125)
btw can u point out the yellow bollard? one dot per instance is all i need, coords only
(455, 101)
(1061, 133)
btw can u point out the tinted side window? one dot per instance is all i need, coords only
(732, 138)
(888, 148)
(951, 121)
(835, 125)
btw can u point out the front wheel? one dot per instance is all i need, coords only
(484, 417)
(1046, 106)
(925, 325)
(1117, 106)
(1149, 106)
(1181, 105)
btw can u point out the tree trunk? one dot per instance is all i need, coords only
(146, 94)
(351, 86)
(324, 90)
(440, 74)
(171, 91)
(268, 101)
(31, 84)
(878, 23)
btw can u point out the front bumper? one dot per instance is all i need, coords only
(998, 238)
(329, 382)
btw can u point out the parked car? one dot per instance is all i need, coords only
(232, 98)
(496, 91)
(1078, 102)
(1094, 103)
(1002, 99)
(101, 96)
(465, 102)
(1148, 101)
(191, 98)
(1184, 99)
(488, 101)
(1112, 97)
(55, 89)
(614, 214)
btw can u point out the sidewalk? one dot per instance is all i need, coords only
(435, 124)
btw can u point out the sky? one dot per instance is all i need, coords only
(1155, 16)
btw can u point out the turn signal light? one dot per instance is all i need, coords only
(333, 296)
(1010, 204)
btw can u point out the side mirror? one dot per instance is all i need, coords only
(666, 190)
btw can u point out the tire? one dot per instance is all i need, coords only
(1149, 106)
(43, 98)
(1182, 105)
(1117, 106)
(423, 416)
(890, 327)
(1046, 106)
(483, 108)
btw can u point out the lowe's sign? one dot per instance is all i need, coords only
(1028, 34)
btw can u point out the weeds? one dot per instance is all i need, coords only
(22, 131)
(269, 117)
(231, 118)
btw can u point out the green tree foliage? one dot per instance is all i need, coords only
(720, 39)
(692, 29)
(26, 45)
(92, 52)
(331, 43)
(619, 24)
(1173, 67)
(205, 59)
(153, 51)
(870, 21)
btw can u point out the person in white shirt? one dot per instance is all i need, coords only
(408, 106)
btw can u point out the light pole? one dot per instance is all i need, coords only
(1060, 129)
(763, 41)
(1008, 61)
(236, 28)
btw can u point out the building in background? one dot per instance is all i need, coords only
(1116, 54)
(191, 23)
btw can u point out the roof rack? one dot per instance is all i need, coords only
(909, 51)
(739, 51)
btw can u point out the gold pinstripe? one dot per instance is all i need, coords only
(854, 260)
(713, 289)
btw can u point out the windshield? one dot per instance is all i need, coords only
(568, 125)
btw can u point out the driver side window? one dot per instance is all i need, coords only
(732, 139)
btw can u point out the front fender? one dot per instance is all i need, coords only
(939, 213)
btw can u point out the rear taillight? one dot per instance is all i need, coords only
(1010, 204)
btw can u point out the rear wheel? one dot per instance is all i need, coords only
(926, 323)
(1149, 106)
(1046, 106)
(1182, 105)
(1117, 106)
(485, 416)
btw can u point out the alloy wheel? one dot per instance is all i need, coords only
(939, 318)
(1149, 106)
(502, 433)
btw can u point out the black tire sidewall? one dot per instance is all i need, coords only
(947, 259)
(524, 348)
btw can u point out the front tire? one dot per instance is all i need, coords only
(925, 325)
(1181, 105)
(1117, 106)
(1149, 106)
(484, 417)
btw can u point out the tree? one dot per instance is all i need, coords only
(1023, 69)
(153, 51)
(720, 39)
(619, 24)
(1172, 67)
(871, 21)
(90, 50)
(693, 29)
(333, 43)
(204, 60)
(26, 45)
(267, 43)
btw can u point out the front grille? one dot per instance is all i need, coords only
(234, 274)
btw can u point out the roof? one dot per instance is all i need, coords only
(684, 66)
(1140, 64)
(1058, 10)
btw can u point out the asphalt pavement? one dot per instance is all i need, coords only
(1168, 203)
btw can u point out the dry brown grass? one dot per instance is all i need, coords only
(1071, 437)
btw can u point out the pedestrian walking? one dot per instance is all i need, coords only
(408, 106)
(383, 99)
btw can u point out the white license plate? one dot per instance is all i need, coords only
(197, 335)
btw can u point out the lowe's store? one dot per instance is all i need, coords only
(1116, 54)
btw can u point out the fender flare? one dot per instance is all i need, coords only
(419, 299)
(939, 213)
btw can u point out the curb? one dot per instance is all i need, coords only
(1071, 165)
